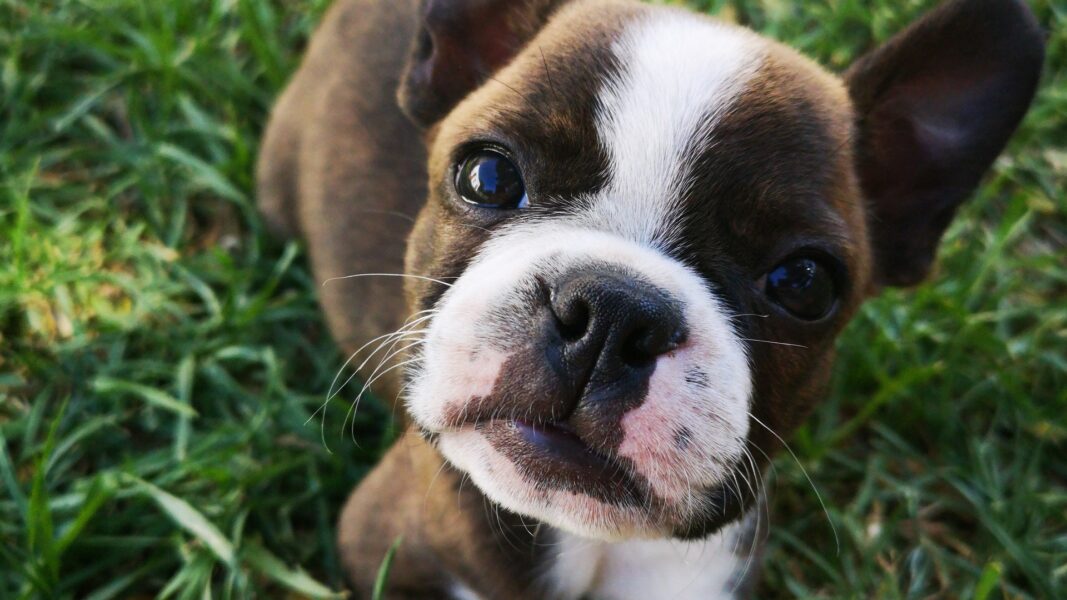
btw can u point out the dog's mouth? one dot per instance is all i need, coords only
(555, 456)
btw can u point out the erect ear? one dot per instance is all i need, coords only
(459, 44)
(936, 105)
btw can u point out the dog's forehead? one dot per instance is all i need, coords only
(645, 114)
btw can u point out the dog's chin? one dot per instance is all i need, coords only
(549, 474)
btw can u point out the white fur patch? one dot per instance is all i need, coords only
(460, 591)
(680, 74)
(706, 569)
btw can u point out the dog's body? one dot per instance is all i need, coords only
(332, 140)
(637, 233)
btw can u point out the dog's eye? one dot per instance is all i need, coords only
(804, 287)
(487, 178)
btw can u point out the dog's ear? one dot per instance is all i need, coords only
(460, 43)
(936, 105)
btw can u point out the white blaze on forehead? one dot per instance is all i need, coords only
(678, 75)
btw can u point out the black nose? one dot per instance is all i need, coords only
(610, 326)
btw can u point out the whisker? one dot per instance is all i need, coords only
(478, 227)
(419, 277)
(415, 338)
(409, 218)
(399, 335)
(391, 341)
(826, 511)
(370, 381)
(548, 73)
(738, 316)
(500, 526)
(404, 329)
(534, 105)
(352, 411)
(429, 488)
(391, 213)
(459, 489)
(757, 494)
(773, 342)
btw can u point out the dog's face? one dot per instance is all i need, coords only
(646, 230)
(681, 236)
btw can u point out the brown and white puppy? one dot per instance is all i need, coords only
(637, 233)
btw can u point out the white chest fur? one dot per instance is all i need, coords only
(707, 569)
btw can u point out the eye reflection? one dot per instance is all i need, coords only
(488, 178)
(804, 287)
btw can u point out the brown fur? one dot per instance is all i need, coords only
(449, 531)
(343, 168)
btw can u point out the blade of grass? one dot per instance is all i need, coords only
(41, 540)
(988, 581)
(295, 579)
(191, 520)
(153, 396)
(382, 580)
(10, 478)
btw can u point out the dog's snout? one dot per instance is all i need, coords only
(611, 325)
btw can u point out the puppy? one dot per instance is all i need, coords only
(629, 236)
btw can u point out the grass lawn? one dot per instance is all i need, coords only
(160, 355)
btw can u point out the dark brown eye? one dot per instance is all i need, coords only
(804, 287)
(489, 179)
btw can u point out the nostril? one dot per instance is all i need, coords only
(573, 321)
(645, 344)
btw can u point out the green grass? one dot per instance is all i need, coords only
(160, 355)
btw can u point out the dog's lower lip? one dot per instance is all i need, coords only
(553, 456)
(550, 434)
(560, 442)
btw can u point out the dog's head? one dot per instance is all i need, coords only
(646, 228)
